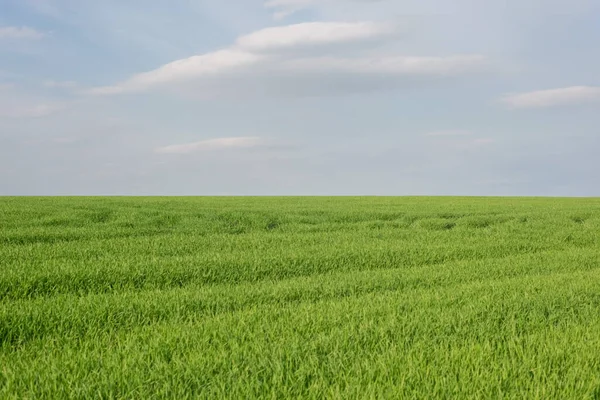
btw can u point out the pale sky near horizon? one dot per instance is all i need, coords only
(300, 97)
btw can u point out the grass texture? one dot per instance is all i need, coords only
(276, 298)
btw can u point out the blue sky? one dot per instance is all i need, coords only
(307, 97)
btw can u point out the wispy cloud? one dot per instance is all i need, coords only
(22, 32)
(467, 144)
(450, 132)
(47, 8)
(312, 34)
(60, 84)
(387, 65)
(458, 139)
(287, 59)
(206, 65)
(30, 111)
(284, 8)
(210, 145)
(553, 97)
(483, 141)
(18, 101)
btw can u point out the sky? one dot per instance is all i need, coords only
(300, 97)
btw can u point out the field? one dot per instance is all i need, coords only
(299, 298)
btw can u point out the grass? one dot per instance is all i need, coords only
(299, 298)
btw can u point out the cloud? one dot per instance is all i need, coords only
(60, 84)
(387, 65)
(17, 102)
(208, 65)
(287, 60)
(553, 97)
(450, 132)
(284, 8)
(458, 142)
(23, 32)
(474, 144)
(46, 8)
(30, 111)
(279, 15)
(457, 139)
(312, 34)
(483, 141)
(210, 145)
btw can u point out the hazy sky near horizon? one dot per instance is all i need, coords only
(300, 97)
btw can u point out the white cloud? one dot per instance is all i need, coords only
(450, 132)
(23, 32)
(553, 97)
(279, 60)
(206, 65)
(312, 34)
(211, 144)
(272, 74)
(387, 65)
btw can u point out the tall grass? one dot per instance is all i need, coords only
(299, 298)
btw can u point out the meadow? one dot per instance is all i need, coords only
(342, 298)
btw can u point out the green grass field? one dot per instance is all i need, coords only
(299, 298)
